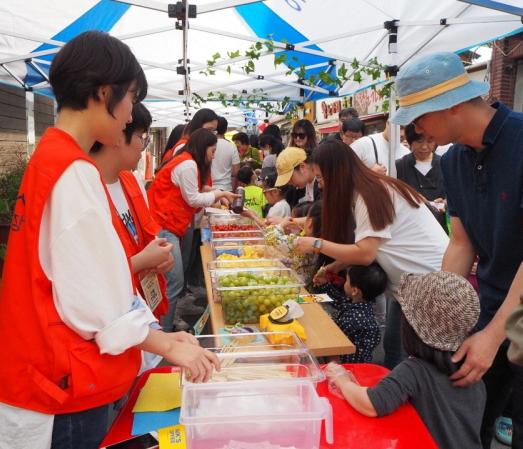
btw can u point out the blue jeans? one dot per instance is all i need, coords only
(392, 345)
(174, 278)
(80, 430)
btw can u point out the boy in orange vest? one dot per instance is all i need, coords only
(71, 324)
(149, 256)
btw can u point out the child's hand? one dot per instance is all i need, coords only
(289, 225)
(274, 220)
(248, 213)
(337, 376)
(335, 371)
(320, 278)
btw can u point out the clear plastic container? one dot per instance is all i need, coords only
(277, 413)
(232, 220)
(247, 293)
(239, 247)
(248, 357)
(237, 262)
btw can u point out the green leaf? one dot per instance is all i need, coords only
(357, 77)
(325, 77)
(279, 59)
(258, 45)
(342, 71)
(216, 56)
(228, 69)
(354, 64)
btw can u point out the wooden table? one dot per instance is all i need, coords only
(324, 337)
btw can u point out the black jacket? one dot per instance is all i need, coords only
(429, 185)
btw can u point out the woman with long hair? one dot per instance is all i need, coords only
(179, 190)
(370, 217)
(303, 135)
(204, 118)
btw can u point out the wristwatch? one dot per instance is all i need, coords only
(316, 246)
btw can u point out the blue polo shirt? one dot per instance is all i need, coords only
(485, 191)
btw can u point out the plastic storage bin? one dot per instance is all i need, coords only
(246, 294)
(252, 357)
(281, 414)
(237, 247)
(233, 226)
(227, 263)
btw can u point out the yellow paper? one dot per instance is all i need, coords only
(172, 437)
(160, 393)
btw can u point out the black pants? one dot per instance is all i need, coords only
(504, 383)
(80, 430)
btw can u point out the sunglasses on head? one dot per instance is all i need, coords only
(298, 135)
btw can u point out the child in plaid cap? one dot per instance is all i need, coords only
(439, 310)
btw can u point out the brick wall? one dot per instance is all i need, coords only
(503, 69)
(13, 122)
(13, 126)
(44, 114)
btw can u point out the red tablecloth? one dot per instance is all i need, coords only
(401, 430)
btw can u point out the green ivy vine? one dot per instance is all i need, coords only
(355, 71)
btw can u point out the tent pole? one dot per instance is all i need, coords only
(391, 71)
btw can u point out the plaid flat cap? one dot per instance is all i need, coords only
(441, 307)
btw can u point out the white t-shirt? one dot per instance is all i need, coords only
(221, 169)
(365, 150)
(81, 253)
(122, 206)
(280, 209)
(423, 167)
(185, 176)
(414, 243)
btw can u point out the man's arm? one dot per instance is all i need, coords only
(480, 349)
(460, 253)
(234, 169)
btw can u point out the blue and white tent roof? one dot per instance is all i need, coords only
(324, 33)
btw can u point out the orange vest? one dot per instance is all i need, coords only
(168, 207)
(146, 228)
(46, 366)
(169, 154)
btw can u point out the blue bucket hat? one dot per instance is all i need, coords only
(433, 82)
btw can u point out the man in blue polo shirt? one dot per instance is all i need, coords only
(483, 173)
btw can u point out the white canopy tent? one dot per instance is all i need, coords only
(319, 34)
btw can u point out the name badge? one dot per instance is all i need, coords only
(151, 290)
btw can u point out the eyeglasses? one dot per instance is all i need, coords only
(272, 189)
(299, 135)
(145, 138)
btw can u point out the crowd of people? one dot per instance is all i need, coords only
(96, 279)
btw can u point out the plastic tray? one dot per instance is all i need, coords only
(279, 413)
(236, 246)
(227, 264)
(247, 293)
(251, 357)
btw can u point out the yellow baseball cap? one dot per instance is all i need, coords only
(286, 162)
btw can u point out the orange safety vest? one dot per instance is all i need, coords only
(46, 366)
(169, 154)
(168, 208)
(146, 228)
